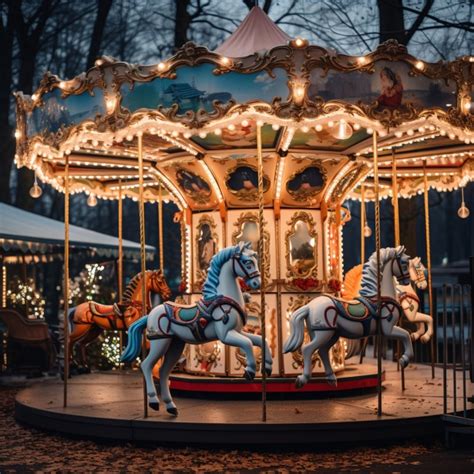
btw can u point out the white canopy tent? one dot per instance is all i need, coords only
(256, 33)
(23, 232)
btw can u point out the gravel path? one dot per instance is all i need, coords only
(25, 449)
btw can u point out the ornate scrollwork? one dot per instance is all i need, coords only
(207, 356)
(301, 247)
(206, 246)
(247, 230)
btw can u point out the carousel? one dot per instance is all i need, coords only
(259, 144)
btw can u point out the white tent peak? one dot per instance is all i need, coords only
(257, 32)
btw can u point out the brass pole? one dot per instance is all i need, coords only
(120, 258)
(362, 256)
(396, 229)
(379, 275)
(160, 227)
(262, 261)
(428, 261)
(141, 212)
(66, 280)
(362, 224)
(396, 214)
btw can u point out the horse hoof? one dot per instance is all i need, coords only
(154, 406)
(249, 375)
(300, 382)
(332, 380)
(425, 340)
(268, 372)
(172, 411)
(403, 362)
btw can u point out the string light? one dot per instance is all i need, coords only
(92, 200)
(463, 211)
(35, 190)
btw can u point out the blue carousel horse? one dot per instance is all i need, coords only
(328, 318)
(219, 315)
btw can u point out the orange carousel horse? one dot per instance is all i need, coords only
(88, 320)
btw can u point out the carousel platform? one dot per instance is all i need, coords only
(110, 406)
(354, 379)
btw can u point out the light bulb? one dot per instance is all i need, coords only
(35, 190)
(342, 131)
(367, 231)
(463, 211)
(92, 200)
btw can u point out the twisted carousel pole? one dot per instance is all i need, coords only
(396, 229)
(66, 279)
(141, 213)
(362, 224)
(428, 261)
(262, 262)
(379, 289)
(160, 227)
(120, 258)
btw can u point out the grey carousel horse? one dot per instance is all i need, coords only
(220, 314)
(328, 318)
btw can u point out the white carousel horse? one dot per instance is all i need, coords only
(406, 296)
(410, 302)
(220, 314)
(328, 318)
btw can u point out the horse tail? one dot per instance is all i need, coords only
(297, 329)
(135, 330)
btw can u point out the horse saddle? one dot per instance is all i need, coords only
(185, 313)
(354, 310)
(103, 311)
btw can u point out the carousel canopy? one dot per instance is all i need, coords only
(198, 113)
(23, 232)
(256, 33)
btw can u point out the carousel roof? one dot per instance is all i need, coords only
(257, 32)
(198, 113)
(22, 232)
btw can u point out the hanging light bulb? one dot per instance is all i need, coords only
(35, 190)
(92, 200)
(342, 131)
(367, 231)
(463, 211)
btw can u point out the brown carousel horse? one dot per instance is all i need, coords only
(89, 319)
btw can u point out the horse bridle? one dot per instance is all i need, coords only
(404, 275)
(420, 274)
(248, 276)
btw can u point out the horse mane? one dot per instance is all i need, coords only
(209, 289)
(132, 286)
(352, 281)
(369, 272)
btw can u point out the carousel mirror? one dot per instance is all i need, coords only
(207, 245)
(301, 246)
(247, 231)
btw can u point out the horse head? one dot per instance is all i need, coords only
(245, 265)
(400, 265)
(156, 283)
(418, 273)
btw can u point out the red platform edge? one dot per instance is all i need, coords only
(235, 385)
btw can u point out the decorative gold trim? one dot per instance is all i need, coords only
(201, 274)
(303, 195)
(244, 194)
(251, 216)
(301, 216)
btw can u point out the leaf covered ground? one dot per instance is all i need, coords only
(25, 449)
